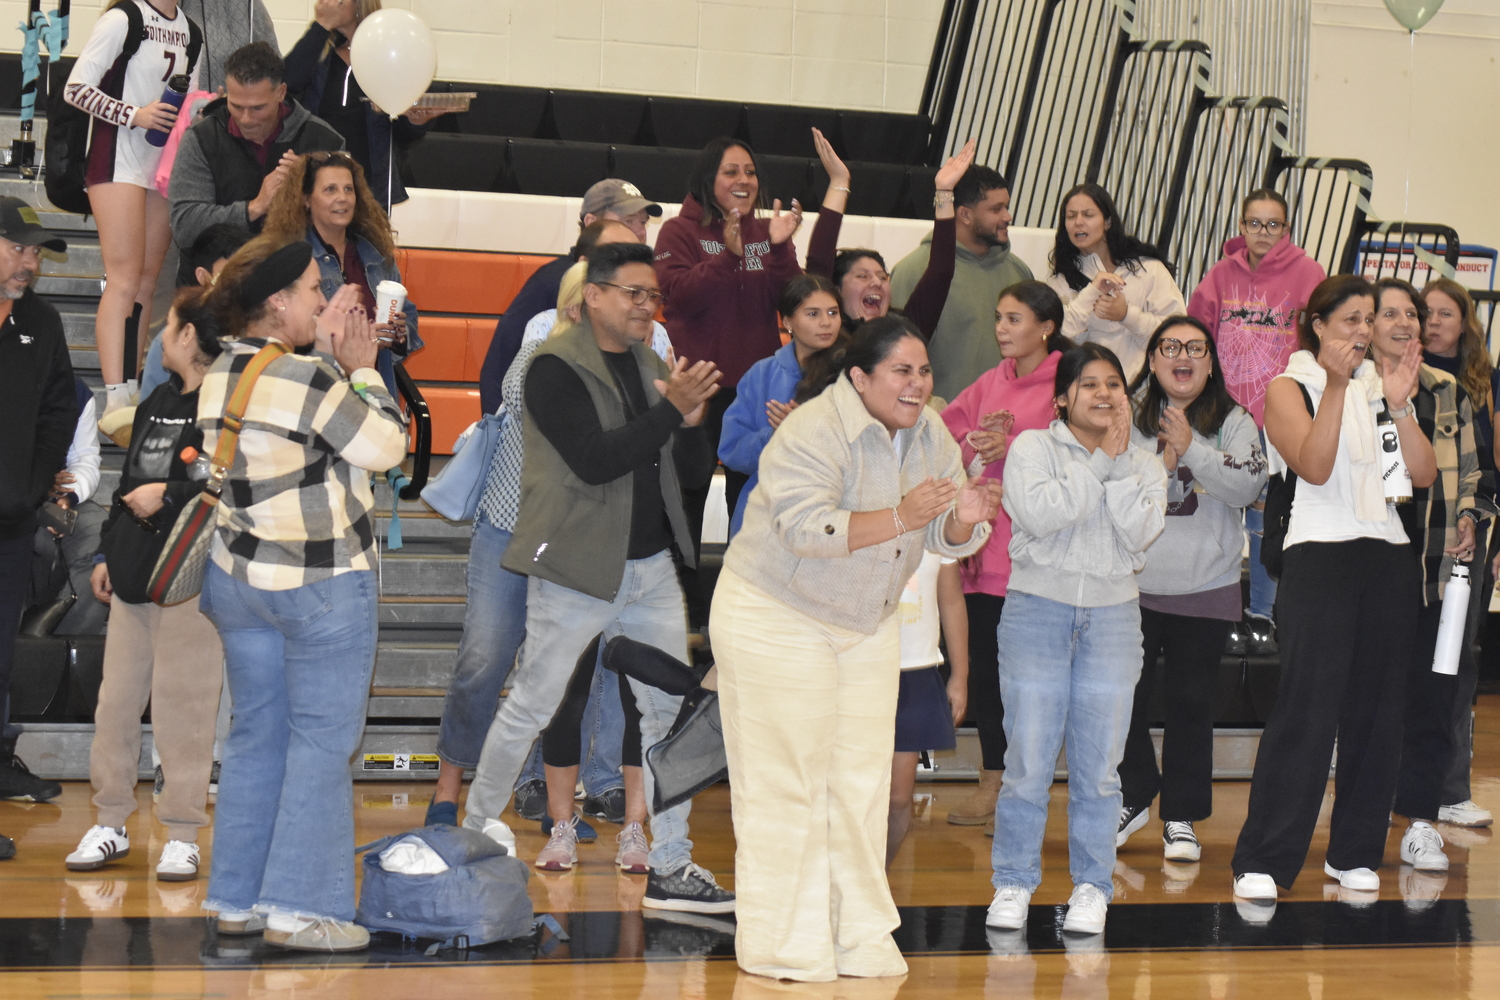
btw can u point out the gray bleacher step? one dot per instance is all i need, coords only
(425, 567)
(419, 522)
(84, 258)
(398, 610)
(415, 657)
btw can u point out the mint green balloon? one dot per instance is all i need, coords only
(1413, 14)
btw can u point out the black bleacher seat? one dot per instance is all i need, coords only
(507, 111)
(787, 131)
(609, 118)
(788, 177)
(455, 162)
(875, 188)
(681, 123)
(661, 174)
(884, 138)
(555, 167)
(916, 198)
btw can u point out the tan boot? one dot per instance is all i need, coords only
(979, 808)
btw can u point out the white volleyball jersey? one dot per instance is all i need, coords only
(112, 89)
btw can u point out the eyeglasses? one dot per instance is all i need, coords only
(1171, 347)
(323, 158)
(1256, 225)
(640, 296)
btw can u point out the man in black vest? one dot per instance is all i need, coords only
(38, 414)
(233, 161)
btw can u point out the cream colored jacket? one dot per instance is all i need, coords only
(827, 460)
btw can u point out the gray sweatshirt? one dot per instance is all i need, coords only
(1080, 522)
(1204, 538)
(227, 25)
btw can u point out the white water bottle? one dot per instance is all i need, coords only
(1450, 637)
(1393, 471)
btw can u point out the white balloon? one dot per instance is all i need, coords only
(394, 58)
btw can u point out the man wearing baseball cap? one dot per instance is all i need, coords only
(39, 413)
(611, 198)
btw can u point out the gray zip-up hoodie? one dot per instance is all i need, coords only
(1204, 539)
(1080, 522)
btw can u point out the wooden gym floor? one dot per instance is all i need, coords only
(1174, 931)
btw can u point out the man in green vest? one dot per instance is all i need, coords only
(611, 433)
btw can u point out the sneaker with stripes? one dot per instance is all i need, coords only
(100, 846)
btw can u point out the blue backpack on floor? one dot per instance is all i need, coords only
(480, 899)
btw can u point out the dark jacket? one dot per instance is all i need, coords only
(307, 70)
(573, 532)
(166, 425)
(538, 295)
(38, 410)
(377, 269)
(216, 175)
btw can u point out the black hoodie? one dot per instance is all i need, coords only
(38, 410)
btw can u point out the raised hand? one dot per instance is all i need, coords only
(734, 242)
(838, 173)
(998, 420)
(1117, 438)
(979, 500)
(356, 345)
(783, 227)
(331, 319)
(1399, 378)
(927, 500)
(949, 173)
(990, 446)
(689, 387)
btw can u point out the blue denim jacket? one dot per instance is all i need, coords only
(377, 269)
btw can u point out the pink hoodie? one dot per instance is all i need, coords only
(1030, 399)
(1254, 315)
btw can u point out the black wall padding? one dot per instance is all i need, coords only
(681, 123)
(554, 167)
(607, 118)
(787, 131)
(661, 174)
(877, 138)
(455, 162)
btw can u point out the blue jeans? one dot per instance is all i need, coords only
(153, 372)
(1063, 671)
(559, 623)
(494, 625)
(299, 664)
(1262, 587)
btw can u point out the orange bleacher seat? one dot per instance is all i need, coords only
(459, 281)
(453, 408)
(481, 332)
(445, 350)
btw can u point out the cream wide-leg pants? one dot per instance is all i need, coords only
(809, 714)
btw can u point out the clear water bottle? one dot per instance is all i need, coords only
(1393, 470)
(1450, 637)
(174, 94)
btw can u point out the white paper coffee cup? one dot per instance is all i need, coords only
(390, 299)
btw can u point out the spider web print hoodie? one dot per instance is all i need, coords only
(1254, 315)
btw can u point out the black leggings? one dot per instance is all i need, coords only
(1193, 648)
(561, 744)
(985, 709)
(1428, 737)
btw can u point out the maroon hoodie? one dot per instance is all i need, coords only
(1253, 315)
(720, 307)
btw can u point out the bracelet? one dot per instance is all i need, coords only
(942, 198)
(835, 187)
(1398, 414)
(900, 527)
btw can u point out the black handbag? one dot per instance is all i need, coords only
(1280, 492)
(40, 620)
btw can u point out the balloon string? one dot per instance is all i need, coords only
(1411, 88)
(390, 161)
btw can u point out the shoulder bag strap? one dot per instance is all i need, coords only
(234, 416)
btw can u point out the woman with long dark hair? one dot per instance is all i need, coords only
(1190, 585)
(1014, 396)
(1117, 288)
(1349, 594)
(854, 485)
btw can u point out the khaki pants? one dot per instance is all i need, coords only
(172, 658)
(809, 715)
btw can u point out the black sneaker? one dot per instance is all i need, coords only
(17, 782)
(1262, 637)
(531, 800)
(1235, 644)
(1132, 818)
(608, 806)
(7, 847)
(690, 888)
(158, 785)
(213, 782)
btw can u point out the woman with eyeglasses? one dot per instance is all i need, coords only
(1117, 289)
(326, 202)
(1190, 585)
(860, 275)
(320, 77)
(1350, 590)
(1250, 301)
(1443, 522)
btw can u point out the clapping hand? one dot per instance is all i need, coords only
(1399, 378)
(1176, 433)
(776, 411)
(927, 500)
(979, 500)
(1110, 304)
(783, 227)
(689, 387)
(990, 446)
(1117, 438)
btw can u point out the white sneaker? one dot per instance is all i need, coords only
(500, 834)
(1422, 848)
(1465, 813)
(100, 846)
(1009, 908)
(1086, 909)
(1361, 879)
(1179, 842)
(1254, 885)
(179, 862)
